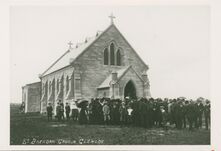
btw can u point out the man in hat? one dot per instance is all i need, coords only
(185, 106)
(115, 114)
(62, 110)
(207, 113)
(67, 111)
(164, 117)
(49, 111)
(178, 110)
(83, 114)
(191, 114)
(106, 112)
(136, 112)
(58, 111)
(199, 110)
(169, 110)
(143, 112)
(74, 111)
(123, 114)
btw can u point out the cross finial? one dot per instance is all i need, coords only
(70, 45)
(112, 17)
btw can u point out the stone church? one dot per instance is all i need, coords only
(105, 65)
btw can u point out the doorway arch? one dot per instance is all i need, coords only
(130, 90)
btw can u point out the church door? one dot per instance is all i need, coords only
(130, 90)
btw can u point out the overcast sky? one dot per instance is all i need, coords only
(172, 40)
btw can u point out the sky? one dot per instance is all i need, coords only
(173, 41)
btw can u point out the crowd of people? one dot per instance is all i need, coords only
(147, 113)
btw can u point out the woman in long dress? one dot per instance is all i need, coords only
(83, 115)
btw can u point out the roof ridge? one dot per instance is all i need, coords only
(96, 37)
(127, 70)
(88, 45)
(98, 34)
(103, 84)
(131, 47)
(55, 62)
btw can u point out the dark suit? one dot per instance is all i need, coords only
(49, 112)
(191, 115)
(207, 115)
(199, 110)
(67, 111)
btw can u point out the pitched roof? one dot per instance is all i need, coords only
(72, 54)
(106, 82)
(120, 73)
(69, 56)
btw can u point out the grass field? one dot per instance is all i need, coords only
(34, 129)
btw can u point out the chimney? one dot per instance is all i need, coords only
(114, 76)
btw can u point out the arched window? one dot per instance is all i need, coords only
(50, 86)
(57, 85)
(106, 56)
(43, 88)
(112, 54)
(46, 89)
(67, 84)
(118, 57)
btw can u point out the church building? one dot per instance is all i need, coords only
(105, 65)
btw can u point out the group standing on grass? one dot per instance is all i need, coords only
(179, 113)
(59, 111)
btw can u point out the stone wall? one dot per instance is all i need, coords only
(137, 81)
(31, 97)
(88, 71)
(61, 87)
(91, 62)
(103, 92)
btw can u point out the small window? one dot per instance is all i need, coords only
(112, 54)
(106, 56)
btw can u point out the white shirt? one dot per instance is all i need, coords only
(129, 111)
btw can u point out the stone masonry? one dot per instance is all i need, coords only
(83, 75)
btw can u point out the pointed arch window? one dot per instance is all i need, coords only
(43, 88)
(112, 54)
(106, 56)
(50, 87)
(57, 85)
(46, 89)
(118, 57)
(67, 84)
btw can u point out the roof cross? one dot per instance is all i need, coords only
(70, 45)
(112, 17)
